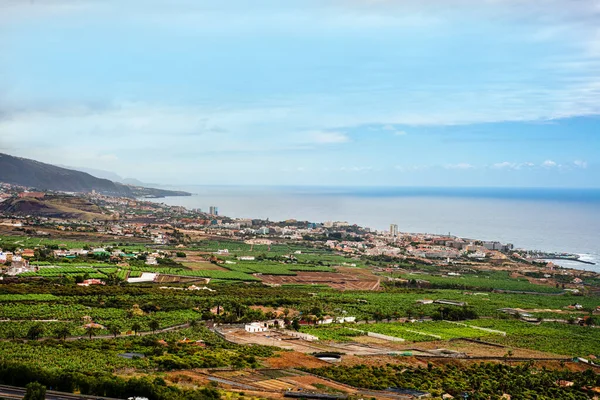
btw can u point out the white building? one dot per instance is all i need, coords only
(325, 321)
(151, 260)
(256, 327)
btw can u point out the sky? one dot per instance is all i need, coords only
(306, 92)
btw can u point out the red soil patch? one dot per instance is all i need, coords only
(293, 359)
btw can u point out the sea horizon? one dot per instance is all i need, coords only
(545, 219)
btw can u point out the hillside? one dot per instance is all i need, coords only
(30, 173)
(58, 206)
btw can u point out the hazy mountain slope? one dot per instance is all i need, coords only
(30, 173)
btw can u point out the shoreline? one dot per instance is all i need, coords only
(440, 216)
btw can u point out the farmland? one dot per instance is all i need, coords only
(45, 315)
(413, 332)
(550, 337)
(483, 281)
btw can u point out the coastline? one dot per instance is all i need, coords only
(549, 225)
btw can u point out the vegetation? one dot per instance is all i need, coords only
(476, 381)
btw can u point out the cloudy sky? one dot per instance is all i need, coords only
(328, 92)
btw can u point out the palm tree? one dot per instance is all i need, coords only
(153, 325)
(91, 331)
(136, 327)
(114, 329)
(63, 332)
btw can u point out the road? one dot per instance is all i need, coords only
(73, 338)
(13, 392)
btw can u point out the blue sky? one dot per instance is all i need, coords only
(327, 92)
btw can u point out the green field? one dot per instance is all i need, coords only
(414, 332)
(483, 281)
(571, 340)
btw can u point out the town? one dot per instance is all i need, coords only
(203, 303)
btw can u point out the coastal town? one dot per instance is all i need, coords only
(159, 226)
(169, 288)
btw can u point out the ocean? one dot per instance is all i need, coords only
(558, 220)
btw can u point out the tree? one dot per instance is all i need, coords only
(296, 325)
(35, 391)
(136, 327)
(91, 331)
(114, 330)
(11, 333)
(154, 325)
(35, 331)
(63, 332)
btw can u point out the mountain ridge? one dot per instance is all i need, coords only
(42, 176)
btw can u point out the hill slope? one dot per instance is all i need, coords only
(59, 206)
(30, 173)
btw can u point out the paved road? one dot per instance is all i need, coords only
(13, 392)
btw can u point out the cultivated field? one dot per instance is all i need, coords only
(334, 280)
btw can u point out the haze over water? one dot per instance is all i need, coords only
(562, 220)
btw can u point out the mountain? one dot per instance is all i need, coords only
(35, 174)
(98, 173)
(111, 176)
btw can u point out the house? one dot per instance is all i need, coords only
(326, 320)
(341, 320)
(151, 260)
(255, 327)
(247, 258)
(28, 253)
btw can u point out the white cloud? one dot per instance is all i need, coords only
(460, 166)
(550, 164)
(412, 168)
(325, 137)
(393, 130)
(356, 169)
(580, 164)
(513, 165)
